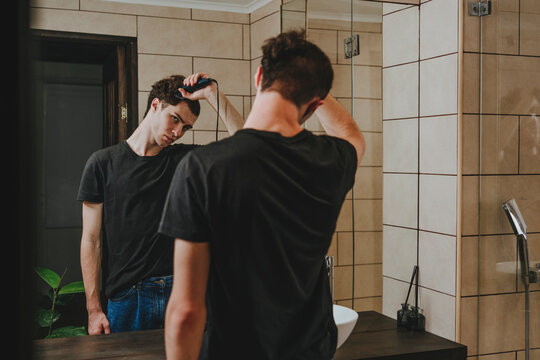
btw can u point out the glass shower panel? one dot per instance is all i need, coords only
(506, 117)
(349, 32)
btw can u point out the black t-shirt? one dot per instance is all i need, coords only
(133, 190)
(268, 206)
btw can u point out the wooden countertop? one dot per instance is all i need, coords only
(375, 336)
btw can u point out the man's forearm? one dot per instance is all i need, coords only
(90, 266)
(227, 112)
(184, 332)
(337, 121)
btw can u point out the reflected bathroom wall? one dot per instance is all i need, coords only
(501, 160)
(357, 243)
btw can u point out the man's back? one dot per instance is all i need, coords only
(268, 206)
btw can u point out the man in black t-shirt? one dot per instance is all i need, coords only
(123, 190)
(253, 217)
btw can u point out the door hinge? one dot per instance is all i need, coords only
(480, 8)
(352, 46)
(124, 113)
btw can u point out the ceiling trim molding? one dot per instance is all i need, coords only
(344, 17)
(214, 5)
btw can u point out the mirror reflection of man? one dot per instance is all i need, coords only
(122, 190)
(253, 217)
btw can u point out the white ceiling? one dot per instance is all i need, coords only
(325, 9)
(239, 6)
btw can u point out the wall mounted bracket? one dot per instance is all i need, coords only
(352, 46)
(479, 8)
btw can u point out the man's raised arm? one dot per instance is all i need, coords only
(227, 112)
(337, 122)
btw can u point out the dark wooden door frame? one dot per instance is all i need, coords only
(119, 57)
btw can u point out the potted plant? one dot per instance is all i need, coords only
(59, 294)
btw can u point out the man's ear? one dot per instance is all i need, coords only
(311, 108)
(257, 77)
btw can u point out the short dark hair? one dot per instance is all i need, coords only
(295, 67)
(165, 90)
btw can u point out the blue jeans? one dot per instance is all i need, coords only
(141, 306)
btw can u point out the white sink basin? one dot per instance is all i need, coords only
(345, 319)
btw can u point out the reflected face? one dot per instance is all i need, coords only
(171, 122)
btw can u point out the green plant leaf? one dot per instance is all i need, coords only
(43, 317)
(72, 288)
(67, 331)
(50, 277)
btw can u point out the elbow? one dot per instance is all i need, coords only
(182, 319)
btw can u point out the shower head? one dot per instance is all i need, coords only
(514, 216)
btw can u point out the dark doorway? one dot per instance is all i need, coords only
(85, 99)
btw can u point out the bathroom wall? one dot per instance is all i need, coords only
(501, 137)
(175, 40)
(357, 243)
(421, 166)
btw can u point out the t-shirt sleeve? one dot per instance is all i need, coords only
(185, 214)
(347, 155)
(91, 186)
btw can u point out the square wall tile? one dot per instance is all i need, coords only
(221, 40)
(501, 32)
(400, 36)
(342, 84)
(400, 200)
(438, 86)
(55, 4)
(440, 312)
(437, 204)
(367, 82)
(399, 252)
(345, 248)
(219, 16)
(501, 323)
(368, 304)
(106, 6)
(83, 22)
(394, 294)
(368, 183)
(439, 144)
(529, 144)
(400, 145)
(438, 28)
(368, 280)
(509, 84)
(529, 32)
(390, 8)
(343, 277)
(369, 247)
(156, 67)
(373, 155)
(469, 265)
(469, 324)
(232, 75)
(371, 44)
(368, 215)
(495, 190)
(437, 262)
(262, 30)
(400, 91)
(367, 113)
(327, 40)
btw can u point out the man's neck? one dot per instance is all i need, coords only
(271, 112)
(141, 141)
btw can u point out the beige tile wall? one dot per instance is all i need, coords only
(420, 166)
(357, 245)
(500, 161)
(175, 40)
